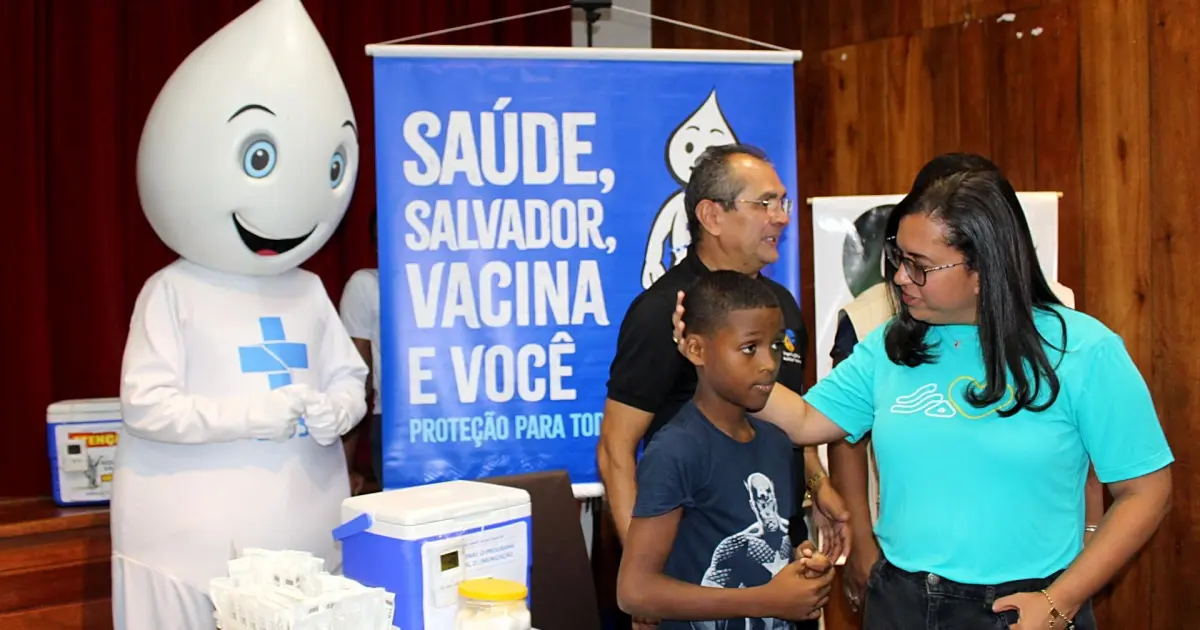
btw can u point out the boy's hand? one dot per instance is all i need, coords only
(815, 563)
(794, 596)
(805, 550)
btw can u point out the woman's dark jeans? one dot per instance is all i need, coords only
(900, 600)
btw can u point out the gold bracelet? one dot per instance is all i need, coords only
(814, 482)
(1055, 614)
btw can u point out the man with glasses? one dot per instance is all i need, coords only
(737, 209)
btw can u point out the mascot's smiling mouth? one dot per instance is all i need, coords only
(264, 246)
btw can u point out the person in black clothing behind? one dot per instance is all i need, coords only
(737, 209)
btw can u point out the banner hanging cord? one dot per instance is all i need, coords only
(629, 11)
(475, 25)
(702, 29)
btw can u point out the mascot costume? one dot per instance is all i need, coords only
(238, 378)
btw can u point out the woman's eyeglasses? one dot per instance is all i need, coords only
(915, 272)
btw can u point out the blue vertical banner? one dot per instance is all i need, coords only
(524, 201)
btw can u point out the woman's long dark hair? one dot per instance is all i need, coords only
(983, 219)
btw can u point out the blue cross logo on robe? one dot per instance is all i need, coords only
(275, 357)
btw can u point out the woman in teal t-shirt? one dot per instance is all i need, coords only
(987, 399)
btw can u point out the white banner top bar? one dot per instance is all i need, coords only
(585, 54)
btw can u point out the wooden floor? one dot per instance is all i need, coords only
(54, 567)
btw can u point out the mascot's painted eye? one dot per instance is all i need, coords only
(337, 169)
(259, 160)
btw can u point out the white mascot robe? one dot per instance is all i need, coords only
(196, 483)
(238, 377)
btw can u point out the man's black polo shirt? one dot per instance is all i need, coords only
(649, 373)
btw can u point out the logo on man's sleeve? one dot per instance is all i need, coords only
(789, 348)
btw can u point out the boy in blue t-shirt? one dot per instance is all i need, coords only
(709, 538)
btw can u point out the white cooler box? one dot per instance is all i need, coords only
(421, 542)
(82, 437)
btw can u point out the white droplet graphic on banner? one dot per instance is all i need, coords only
(705, 127)
(249, 156)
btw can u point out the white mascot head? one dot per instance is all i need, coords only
(248, 159)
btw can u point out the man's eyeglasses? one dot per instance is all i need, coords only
(915, 272)
(775, 204)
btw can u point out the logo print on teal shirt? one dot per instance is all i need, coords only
(929, 401)
(925, 399)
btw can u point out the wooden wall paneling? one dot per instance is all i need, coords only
(1175, 231)
(775, 22)
(814, 154)
(813, 26)
(1010, 6)
(943, 12)
(1115, 110)
(843, 119)
(910, 124)
(984, 9)
(1010, 96)
(846, 23)
(873, 147)
(889, 18)
(815, 130)
(1115, 118)
(942, 63)
(735, 19)
(879, 18)
(664, 35)
(1057, 134)
(830, 142)
(974, 106)
(779, 23)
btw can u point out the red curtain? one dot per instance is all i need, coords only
(78, 80)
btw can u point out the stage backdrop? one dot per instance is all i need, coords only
(847, 257)
(526, 196)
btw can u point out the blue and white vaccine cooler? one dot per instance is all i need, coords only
(82, 437)
(421, 542)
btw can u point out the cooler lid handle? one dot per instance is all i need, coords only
(355, 526)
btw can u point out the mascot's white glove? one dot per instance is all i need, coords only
(275, 416)
(326, 420)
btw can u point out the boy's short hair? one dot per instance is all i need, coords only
(710, 299)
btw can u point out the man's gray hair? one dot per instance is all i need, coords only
(713, 179)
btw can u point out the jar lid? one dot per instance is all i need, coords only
(492, 590)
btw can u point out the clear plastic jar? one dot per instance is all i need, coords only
(492, 604)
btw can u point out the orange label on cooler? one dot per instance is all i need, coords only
(94, 440)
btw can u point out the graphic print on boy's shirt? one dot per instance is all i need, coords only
(752, 556)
